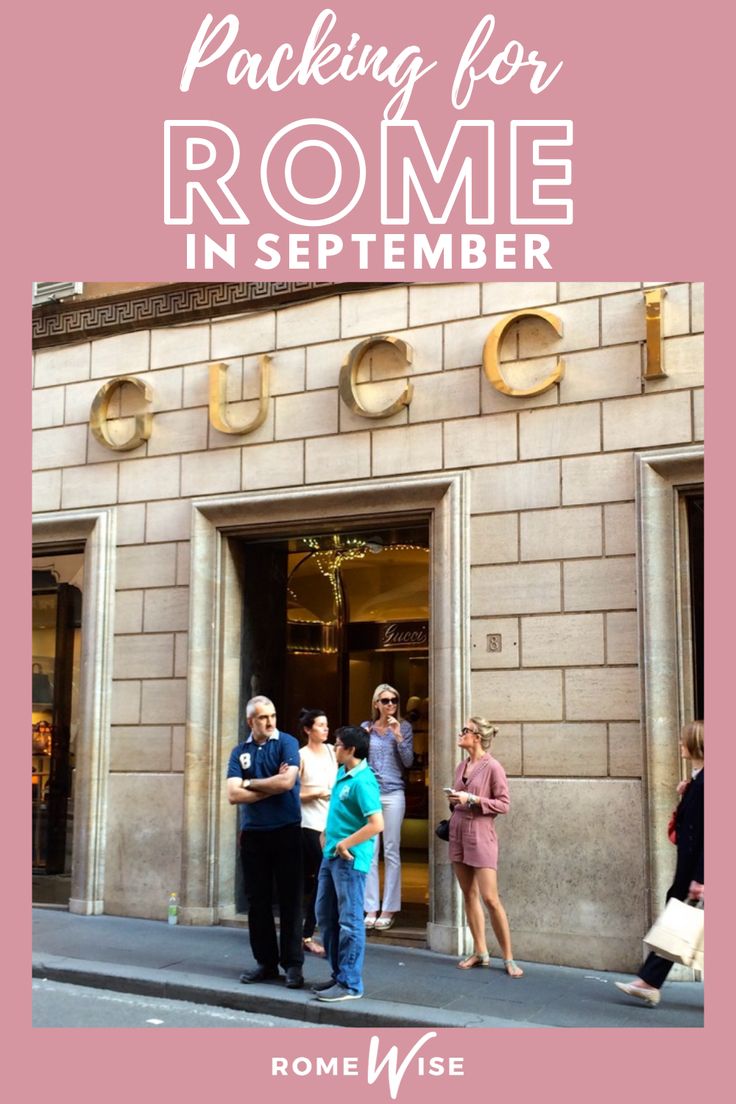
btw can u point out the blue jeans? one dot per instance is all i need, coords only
(339, 907)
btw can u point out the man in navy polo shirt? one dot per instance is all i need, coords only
(353, 820)
(263, 779)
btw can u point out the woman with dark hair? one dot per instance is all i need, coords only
(688, 884)
(479, 794)
(391, 753)
(317, 773)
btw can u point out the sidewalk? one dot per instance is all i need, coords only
(403, 987)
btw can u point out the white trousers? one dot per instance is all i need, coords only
(393, 806)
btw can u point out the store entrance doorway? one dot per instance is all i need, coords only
(56, 628)
(327, 617)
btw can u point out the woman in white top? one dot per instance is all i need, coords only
(317, 772)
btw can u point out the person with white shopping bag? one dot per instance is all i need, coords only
(686, 831)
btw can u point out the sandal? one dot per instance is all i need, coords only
(370, 920)
(383, 923)
(512, 969)
(474, 960)
(313, 947)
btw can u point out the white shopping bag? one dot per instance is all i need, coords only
(678, 934)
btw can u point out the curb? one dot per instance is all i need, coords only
(264, 999)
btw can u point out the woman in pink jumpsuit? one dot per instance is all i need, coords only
(480, 792)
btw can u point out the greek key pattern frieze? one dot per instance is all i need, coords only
(67, 322)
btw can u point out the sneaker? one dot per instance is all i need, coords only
(294, 978)
(261, 973)
(649, 996)
(323, 986)
(338, 993)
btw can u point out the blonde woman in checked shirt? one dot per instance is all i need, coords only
(391, 753)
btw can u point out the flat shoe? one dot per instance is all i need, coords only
(383, 923)
(474, 960)
(509, 965)
(649, 996)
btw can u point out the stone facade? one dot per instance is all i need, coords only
(550, 521)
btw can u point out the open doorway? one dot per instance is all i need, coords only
(327, 617)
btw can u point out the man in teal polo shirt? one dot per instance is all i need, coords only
(353, 820)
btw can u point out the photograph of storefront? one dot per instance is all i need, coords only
(487, 495)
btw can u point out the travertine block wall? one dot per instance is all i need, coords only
(552, 532)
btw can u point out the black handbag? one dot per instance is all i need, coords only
(442, 831)
(42, 689)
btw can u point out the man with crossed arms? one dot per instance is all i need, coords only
(263, 779)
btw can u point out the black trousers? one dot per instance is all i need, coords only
(312, 857)
(268, 857)
(654, 969)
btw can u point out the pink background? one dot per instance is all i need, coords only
(87, 87)
(102, 79)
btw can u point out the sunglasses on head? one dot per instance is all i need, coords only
(389, 701)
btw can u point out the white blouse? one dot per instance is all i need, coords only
(318, 772)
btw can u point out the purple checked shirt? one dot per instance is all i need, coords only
(389, 759)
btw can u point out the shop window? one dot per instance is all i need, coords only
(56, 644)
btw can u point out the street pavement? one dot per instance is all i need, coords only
(404, 987)
(56, 1004)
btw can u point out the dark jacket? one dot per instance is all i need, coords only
(689, 827)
